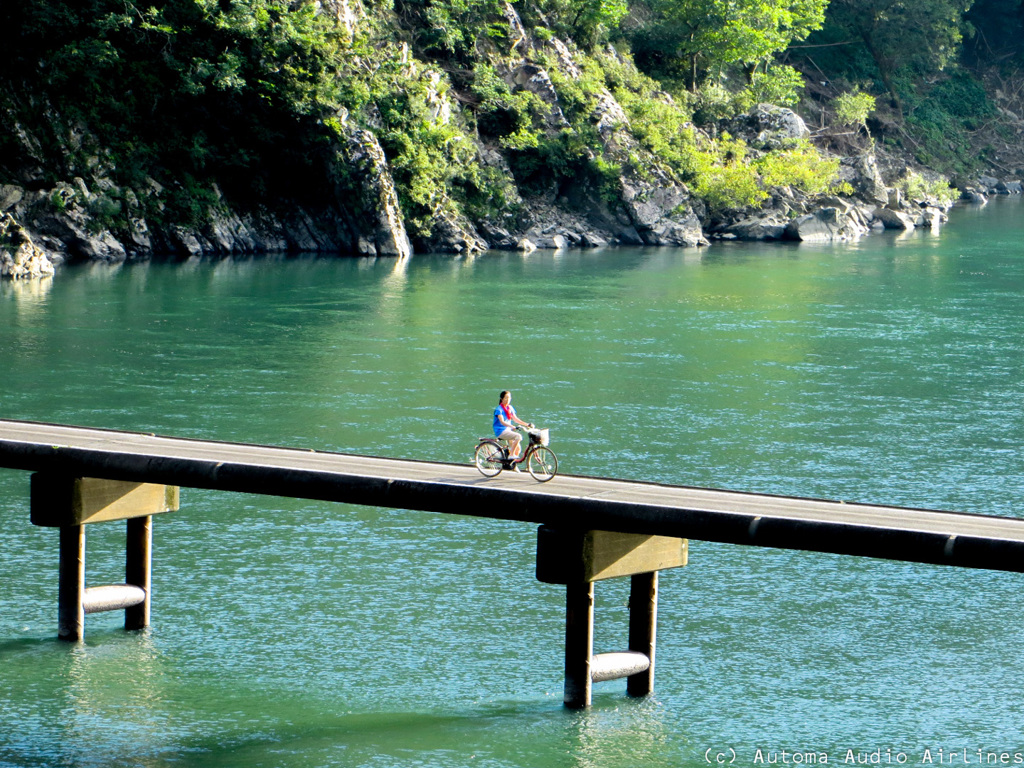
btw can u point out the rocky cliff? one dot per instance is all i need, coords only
(634, 197)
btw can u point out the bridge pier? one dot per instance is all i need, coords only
(579, 558)
(643, 629)
(71, 583)
(69, 503)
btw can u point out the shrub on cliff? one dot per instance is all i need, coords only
(227, 92)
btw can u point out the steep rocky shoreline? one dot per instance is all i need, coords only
(45, 225)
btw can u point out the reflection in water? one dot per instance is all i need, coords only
(117, 687)
(613, 737)
(101, 270)
(392, 293)
(29, 296)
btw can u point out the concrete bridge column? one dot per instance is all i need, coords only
(69, 503)
(579, 558)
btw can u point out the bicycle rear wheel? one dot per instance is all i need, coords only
(487, 458)
(543, 464)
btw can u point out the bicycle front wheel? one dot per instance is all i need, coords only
(487, 458)
(543, 464)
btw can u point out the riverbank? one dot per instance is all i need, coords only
(28, 252)
(541, 145)
(872, 202)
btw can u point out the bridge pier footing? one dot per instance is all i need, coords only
(69, 503)
(579, 558)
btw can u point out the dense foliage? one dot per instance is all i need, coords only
(201, 100)
(696, 39)
(184, 93)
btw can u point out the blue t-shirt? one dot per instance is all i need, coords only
(500, 412)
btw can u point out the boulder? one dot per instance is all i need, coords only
(675, 233)
(497, 237)
(861, 172)
(755, 228)
(891, 219)
(931, 217)
(187, 242)
(20, 258)
(551, 242)
(896, 201)
(452, 234)
(824, 225)
(72, 228)
(988, 184)
(10, 196)
(1009, 188)
(768, 126)
(592, 240)
(660, 213)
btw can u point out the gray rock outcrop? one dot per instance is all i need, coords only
(891, 219)
(654, 208)
(377, 199)
(768, 126)
(451, 233)
(20, 258)
(824, 225)
(862, 174)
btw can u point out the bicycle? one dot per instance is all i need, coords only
(490, 456)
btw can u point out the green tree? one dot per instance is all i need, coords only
(898, 35)
(692, 38)
(586, 21)
(997, 29)
(189, 92)
(853, 108)
(449, 29)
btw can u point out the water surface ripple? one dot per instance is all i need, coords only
(294, 633)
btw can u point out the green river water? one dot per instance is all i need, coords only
(290, 633)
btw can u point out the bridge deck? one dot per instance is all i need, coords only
(896, 533)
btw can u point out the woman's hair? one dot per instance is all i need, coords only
(502, 395)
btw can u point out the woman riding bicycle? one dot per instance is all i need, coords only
(491, 457)
(505, 419)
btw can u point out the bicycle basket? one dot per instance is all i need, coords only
(539, 436)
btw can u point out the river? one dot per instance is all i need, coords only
(295, 633)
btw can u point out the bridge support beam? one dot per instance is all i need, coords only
(68, 503)
(579, 558)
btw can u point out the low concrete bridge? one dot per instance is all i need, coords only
(592, 528)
